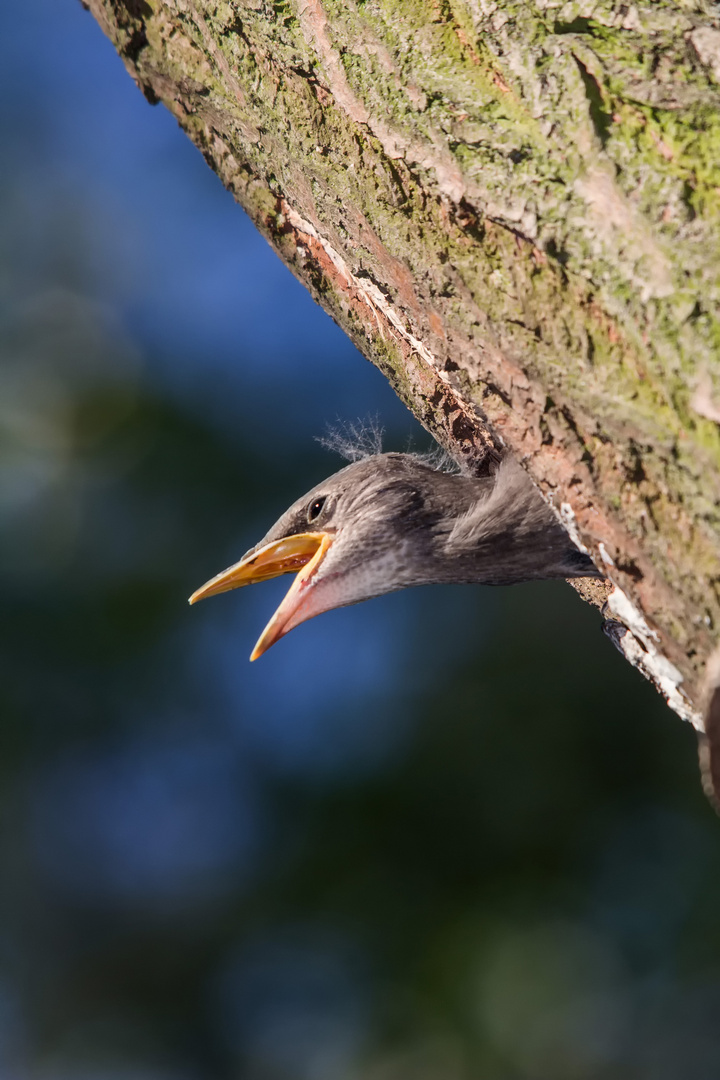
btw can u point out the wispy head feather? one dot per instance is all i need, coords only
(354, 441)
(361, 439)
(436, 458)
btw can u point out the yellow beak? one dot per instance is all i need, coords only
(303, 552)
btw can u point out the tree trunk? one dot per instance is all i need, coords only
(513, 209)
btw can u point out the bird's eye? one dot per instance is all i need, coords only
(315, 508)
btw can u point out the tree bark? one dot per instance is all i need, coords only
(513, 209)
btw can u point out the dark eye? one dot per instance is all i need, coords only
(315, 508)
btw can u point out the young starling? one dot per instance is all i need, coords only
(390, 521)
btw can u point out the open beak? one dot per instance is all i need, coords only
(303, 552)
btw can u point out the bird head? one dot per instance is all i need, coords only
(390, 521)
(360, 533)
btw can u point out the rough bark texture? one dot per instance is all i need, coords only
(513, 208)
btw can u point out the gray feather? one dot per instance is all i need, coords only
(398, 522)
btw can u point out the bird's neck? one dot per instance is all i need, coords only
(500, 531)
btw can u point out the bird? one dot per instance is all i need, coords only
(392, 521)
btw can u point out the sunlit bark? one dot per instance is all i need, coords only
(513, 210)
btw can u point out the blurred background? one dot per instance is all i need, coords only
(444, 835)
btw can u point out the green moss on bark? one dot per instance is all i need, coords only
(535, 193)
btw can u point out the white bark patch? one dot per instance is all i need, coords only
(370, 293)
(567, 517)
(639, 644)
(613, 215)
(703, 401)
(631, 635)
(314, 23)
(706, 43)
(604, 555)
